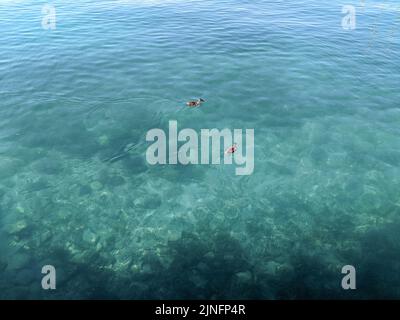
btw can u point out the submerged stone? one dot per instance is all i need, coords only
(146, 269)
(18, 261)
(271, 268)
(96, 185)
(85, 190)
(39, 184)
(104, 140)
(116, 180)
(135, 164)
(25, 277)
(89, 236)
(244, 278)
(49, 166)
(3, 266)
(9, 167)
(148, 202)
(17, 227)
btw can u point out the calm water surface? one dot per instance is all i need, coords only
(324, 104)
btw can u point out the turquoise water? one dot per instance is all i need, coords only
(324, 104)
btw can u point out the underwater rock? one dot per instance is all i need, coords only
(104, 140)
(135, 268)
(3, 266)
(244, 278)
(104, 198)
(39, 184)
(78, 257)
(318, 156)
(199, 281)
(9, 167)
(85, 190)
(148, 202)
(274, 269)
(271, 268)
(45, 236)
(19, 293)
(89, 236)
(18, 261)
(173, 235)
(108, 177)
(209, 255)
(99, 246)
(96, 185)
(135, 164)
(116, 180)
(18, 227)
(24, 277)
(202, 267)
(146, 269)
(49, 166)
(29, 154)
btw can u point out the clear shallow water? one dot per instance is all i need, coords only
(325, 191)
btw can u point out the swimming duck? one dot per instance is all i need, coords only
(195, 103)
(231, 149)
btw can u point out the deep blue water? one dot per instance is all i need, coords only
(324, 104)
